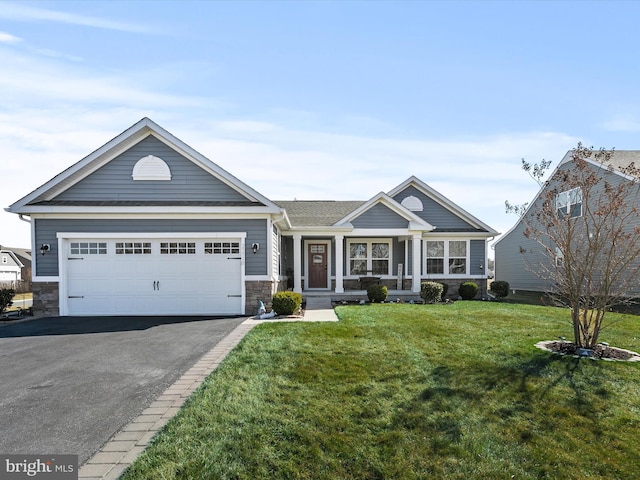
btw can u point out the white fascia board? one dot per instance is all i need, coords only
(112, 235)
(282, 220)
(413, 226)
(442, 200)
(380, 232)
(152, 216)
(316, 231)
(475, 235)
(102, 210)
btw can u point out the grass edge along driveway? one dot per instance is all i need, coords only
(409, 392)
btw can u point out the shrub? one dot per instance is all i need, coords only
(499, 288)
(377, 293)
(468, 290)
(286, 303)
(431, 292)
(445, 289)
(6, 298)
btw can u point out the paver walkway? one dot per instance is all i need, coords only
(120, 452)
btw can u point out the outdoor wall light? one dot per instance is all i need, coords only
(44, 248)
(255, 247)
(481, 266)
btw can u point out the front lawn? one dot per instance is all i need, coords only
(409, 392)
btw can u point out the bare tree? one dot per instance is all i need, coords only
(585, 222)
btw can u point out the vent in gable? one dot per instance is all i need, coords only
(412, 203)
(151, 168)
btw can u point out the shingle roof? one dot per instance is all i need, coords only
(624, 158)
(317, 213)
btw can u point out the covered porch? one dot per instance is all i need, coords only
(346, 265)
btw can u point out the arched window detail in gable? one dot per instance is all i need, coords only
(412, 203)
(151, 168)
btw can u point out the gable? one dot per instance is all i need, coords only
(379, 216)
(435, 213)
(115, 180)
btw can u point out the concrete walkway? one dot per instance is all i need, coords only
(121, 451)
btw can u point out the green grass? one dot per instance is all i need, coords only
(409, 392)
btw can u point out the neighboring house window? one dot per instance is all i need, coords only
(133, 248)
(447, 257)
(88, 248)
(569, 203)
(370, 257)
(559, 258)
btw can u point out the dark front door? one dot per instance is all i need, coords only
(317, 265)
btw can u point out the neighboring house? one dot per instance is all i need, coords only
(24, 256)
(145, 225)
(10, 268)
(519, 260)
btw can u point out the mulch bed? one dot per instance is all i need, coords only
(603, 352)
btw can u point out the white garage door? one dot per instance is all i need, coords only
(154, 276)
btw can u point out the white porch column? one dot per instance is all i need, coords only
(339, 263)
(416, 270)
(297, 263)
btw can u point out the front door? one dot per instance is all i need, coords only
(317, 265)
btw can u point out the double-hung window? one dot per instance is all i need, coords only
(447, 257)
(369, 257)
(569, 203)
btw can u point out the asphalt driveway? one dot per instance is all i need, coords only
(68, 384)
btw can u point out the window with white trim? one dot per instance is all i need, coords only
(88, 248)
(559, 258)
(369, 257)
(446, 257)
(569, 203)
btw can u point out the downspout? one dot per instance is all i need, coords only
(21, 217)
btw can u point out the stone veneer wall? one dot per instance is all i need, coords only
(46, 301)
(262, 290)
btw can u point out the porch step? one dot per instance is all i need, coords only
(319, 303)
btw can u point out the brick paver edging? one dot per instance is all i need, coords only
(120, 452)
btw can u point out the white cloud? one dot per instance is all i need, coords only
(28, 80)
(8, 38)
(26, 13)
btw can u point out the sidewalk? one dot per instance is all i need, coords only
(121, 451)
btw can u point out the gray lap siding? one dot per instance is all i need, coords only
(46, 230)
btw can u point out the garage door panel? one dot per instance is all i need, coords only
(140, 280)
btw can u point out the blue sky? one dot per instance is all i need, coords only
(321, 100)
